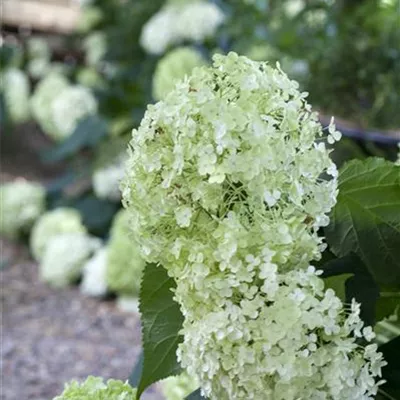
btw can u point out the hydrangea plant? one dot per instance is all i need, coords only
(69, 107)
(174, 23)
(94, 274)
(64, 258)
(228, 182)
(178, 387)
(124, 263)
(45, 93)
(56, 222)
(16, 88)
(173, 67)
(22, 202)
(94, 388)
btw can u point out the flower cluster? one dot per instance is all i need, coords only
(227, 185)
(70, 106)
(45, 93)
(95, 46)
(174, 23)
(178, 387)
(106, 179)
(60, 266)
(289, 341)
(124, 263)
(53, 223)
(15, 87)
(94, 274)
(39, 55)
(174, 67)
(22, 202)
(94, 388)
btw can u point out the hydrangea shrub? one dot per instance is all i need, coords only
(22, 202)
(228, 182)
(124, 262)
(51, 224)
(41, 102)
(94, 388)
(64, 258)
(15, 86)
(175, 23)
(173, 67)
(94, 274)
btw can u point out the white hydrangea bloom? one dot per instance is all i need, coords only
(106, 180)
(398, 155)
(172, 68)
(21, 202)
(176, 23)
(16, 89)
(53, 223)
(178, 387)
(224, 188)
(95, 46)
(94, 274)
(39, 55)
(70, 106)
(45, 93)
(64, 258)
(287, 341)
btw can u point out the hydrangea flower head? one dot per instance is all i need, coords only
(56, 222)
(16, 88)
(229, 161)
(94, 388)
(227, 185)
(94, 274)
(64, 258)
(172, 68)
(45, 93)
(124, 263)
(21, 203)
(180, 21)
(70, 106)
(178, 387)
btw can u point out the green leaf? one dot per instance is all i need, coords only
(161, 323)
(350, 279)
(88, 133)
(366, 218)
(388, 304)
(391, 372)
(134, 377)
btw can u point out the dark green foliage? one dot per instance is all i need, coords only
(366, 218)
(161, 323)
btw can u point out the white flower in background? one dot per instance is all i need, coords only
(64, 258)
(39, 56)
(172, 68)
(51, 224)
(94, 388)
(21, 203)
(45, 93)
(179, 22)
(16, 89)
(224, 189)
(398, 155)
(106, 180)
(95, 46)
(178, 387)
(70, 106)
(94, 274)
(129, 304)
(198, 20)
(124, 263)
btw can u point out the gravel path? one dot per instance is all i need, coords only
(51, 336)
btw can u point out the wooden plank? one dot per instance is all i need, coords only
(40, 15)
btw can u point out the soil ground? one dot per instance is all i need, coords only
(50, 336)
